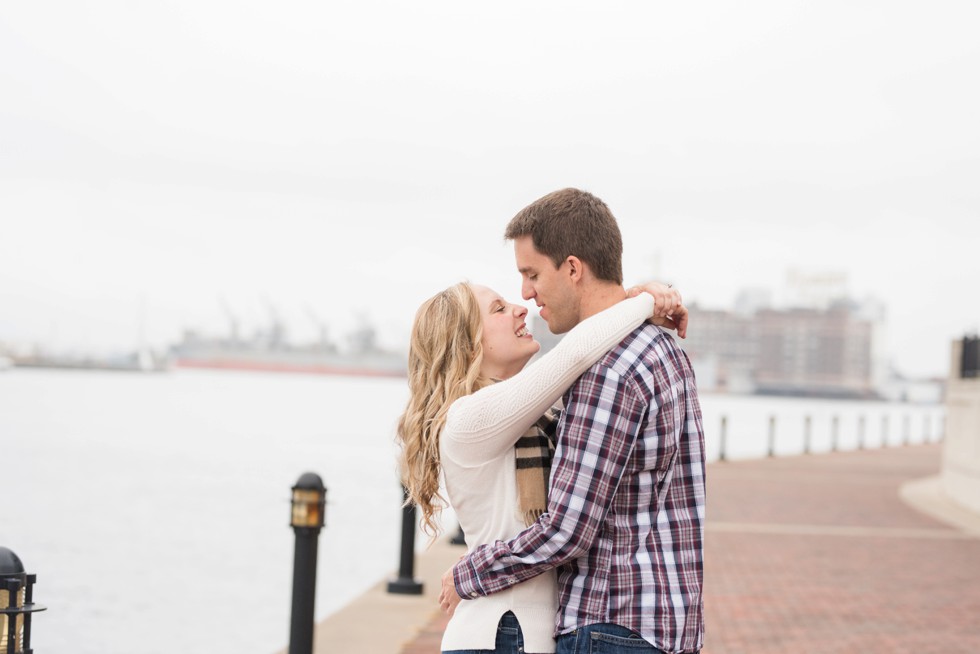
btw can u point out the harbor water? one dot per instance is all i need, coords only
(155, 508)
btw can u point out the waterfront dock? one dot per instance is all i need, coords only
(829, 553)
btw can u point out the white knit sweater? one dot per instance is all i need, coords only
(477, 451)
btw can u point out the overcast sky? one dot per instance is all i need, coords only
(337, 160)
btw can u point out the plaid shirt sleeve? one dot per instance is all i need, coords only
(603, 417)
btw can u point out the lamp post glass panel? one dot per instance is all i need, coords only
(307, 508)
(16, 629)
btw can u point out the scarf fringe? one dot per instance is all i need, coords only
(533, 453)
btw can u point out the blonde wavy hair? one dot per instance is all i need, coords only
(444, 361)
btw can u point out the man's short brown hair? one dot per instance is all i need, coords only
(571, 222)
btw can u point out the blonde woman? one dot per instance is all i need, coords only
(473, 422)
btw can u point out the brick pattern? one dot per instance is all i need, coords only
(818, 554)
(429, 638)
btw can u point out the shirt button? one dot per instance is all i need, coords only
(474, 594)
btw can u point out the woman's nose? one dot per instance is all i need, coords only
(520, 311)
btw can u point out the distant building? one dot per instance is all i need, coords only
(751, 300)
(723, 347)
(813, 352)
(829, 352)
(813, 289)
(830, 349)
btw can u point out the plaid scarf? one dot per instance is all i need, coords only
(533, 452)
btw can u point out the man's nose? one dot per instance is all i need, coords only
(527, 290)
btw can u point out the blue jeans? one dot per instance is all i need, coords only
(510, 639)
(604, 639)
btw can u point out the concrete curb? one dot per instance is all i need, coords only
(927, 495)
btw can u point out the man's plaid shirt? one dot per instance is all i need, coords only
(625, 519)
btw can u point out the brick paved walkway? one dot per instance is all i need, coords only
(818, 554)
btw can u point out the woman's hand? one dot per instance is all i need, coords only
(668, 309)
(448, 598)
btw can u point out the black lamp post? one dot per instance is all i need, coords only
(309, 499)
(16, 604)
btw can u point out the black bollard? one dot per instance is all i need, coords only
(724, 437)
(309, 499)
(16, 604)
(406, 584)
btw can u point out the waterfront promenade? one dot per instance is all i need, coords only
(827, 553)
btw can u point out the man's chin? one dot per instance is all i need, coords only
(556, 328)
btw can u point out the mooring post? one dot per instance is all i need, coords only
(724, 437)
(406, 584)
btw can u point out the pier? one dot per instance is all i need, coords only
(843, 552)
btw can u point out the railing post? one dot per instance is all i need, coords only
(406, 584)
(308, 502)
(884, 431)
(807, 424)
(861, 426)
(906, 429)
(724, 437)
(772, 436)
(834, 432)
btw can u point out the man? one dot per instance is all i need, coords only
(626, 502)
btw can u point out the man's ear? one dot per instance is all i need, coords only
(576, 268)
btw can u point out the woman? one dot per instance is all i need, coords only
(489, 439)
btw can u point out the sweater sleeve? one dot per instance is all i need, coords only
(483, 425)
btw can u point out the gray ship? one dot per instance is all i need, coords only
(269, 351)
